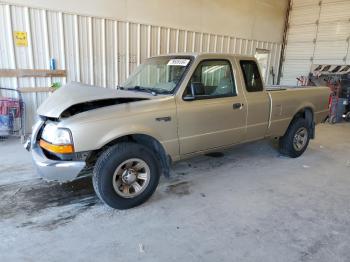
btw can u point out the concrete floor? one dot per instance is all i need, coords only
(249, 204)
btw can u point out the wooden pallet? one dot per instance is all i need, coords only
(32, 73)
(36, 89)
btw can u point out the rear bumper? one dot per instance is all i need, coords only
(52, 170)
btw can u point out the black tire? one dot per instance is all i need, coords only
(108, 162)
(333, 120)
(286, 143)
(347, 117)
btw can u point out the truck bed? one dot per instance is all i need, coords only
(275, 88)
(286, 101)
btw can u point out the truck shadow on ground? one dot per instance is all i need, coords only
(32, 200)
(36, 203)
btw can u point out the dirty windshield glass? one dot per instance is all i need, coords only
(159, 75)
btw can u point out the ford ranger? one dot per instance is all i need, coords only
(171, 108)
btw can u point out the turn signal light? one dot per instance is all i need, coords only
(58, 149)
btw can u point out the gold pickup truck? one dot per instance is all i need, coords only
(171, 108)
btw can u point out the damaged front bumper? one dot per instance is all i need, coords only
(52, 170)
(62, 171)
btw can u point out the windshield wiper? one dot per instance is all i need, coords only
(162, 91)
(144, 89)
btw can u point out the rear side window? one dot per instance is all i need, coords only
(252, 78)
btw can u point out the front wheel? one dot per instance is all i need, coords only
(126, 175)
(296, 139)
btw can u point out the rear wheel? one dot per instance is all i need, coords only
(126, 175)
(296, 139)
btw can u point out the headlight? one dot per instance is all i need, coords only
(56, 139)
(55, 135)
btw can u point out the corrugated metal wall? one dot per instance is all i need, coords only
(319, 33)
(97, 50)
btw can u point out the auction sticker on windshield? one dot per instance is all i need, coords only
(178, 62)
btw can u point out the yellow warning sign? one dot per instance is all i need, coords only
(20, 38)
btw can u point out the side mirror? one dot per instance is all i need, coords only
(197, 89)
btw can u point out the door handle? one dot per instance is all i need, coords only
(237, 106)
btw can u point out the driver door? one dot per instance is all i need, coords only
(217, 115)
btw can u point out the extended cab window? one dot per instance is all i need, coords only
(252, 78)
(213, 78)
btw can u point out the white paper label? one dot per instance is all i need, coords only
(178, 62)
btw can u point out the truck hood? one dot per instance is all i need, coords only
(75, 98)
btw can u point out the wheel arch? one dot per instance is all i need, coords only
(307, 113)
(146, 140)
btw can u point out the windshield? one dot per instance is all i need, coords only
(158, 75)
